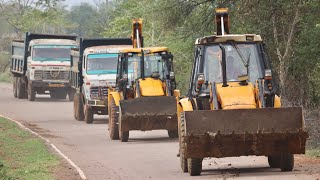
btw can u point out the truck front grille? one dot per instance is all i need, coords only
(51, 75)
(99, 92)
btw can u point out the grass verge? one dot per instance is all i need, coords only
(5, 77)
(22, 155)
(313, 152)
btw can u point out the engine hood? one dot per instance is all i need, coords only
(236, 96)
(101, 79)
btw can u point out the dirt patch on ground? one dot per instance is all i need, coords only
(310, 165)
(43, 132)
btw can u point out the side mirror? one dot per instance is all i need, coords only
(267, 74)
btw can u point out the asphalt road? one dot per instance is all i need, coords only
(147, 155)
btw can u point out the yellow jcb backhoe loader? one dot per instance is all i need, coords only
(144, 97)
(233, 108)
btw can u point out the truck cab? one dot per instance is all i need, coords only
(94, 70)
(48, 66)
(40, 64)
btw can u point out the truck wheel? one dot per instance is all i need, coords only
(123, 135)
(71, 94)
(113, 121)
(194, 166)
(274, 161)
(286, 162)
(20, 88)
(173, 133)
(88, 115)
(15, 94)
(78, 107)
(183, 160)
(31, 93)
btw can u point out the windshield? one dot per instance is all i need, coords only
(154, 65)
(52, 52)
(236, 66)
(102, 64)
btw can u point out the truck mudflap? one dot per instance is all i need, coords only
(148, 113)
(243, 132)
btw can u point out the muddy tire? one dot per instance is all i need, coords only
(71, 94)
(123, 135)
(183, 160)
(173, 134)
(194, 166)
(21, 89)
(286, 162)
(31, 93)
(14, 83)
(88, 115)
(274, 161)
(113, 121)
(78, 107)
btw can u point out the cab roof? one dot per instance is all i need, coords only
(229, 37)
(149, 49)
(105, 49)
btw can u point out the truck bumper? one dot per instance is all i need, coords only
(98, 106)
(50, 85)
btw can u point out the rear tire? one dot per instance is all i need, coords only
(78, 107)
(183, 160)
(88, 115)
(173, 134)
(194, 166)
(287, 162)
(71, 94)
(113, 121)
(15, 93)
(21, 90)
(31, 93)
(274, 161)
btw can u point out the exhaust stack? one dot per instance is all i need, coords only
(222, 21)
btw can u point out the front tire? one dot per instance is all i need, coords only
(194, 166)
(71, 94)
(173, 134)
(78, 107)
(88, 115)
(113, 121)
(274, 161)
(183, 160)
(123, 135)
(31, 93)
(287, 162)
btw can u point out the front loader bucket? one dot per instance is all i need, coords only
(243, 132)
(149, 113)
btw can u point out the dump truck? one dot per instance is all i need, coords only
(144, 97)
(233, 107)
(93, 71)
(40, 64)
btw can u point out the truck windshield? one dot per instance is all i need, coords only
(235, 64)
(52, 52)
(102, 64)
(153, 64)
